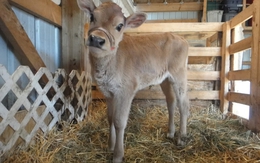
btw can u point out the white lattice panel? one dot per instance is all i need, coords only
(38, 107)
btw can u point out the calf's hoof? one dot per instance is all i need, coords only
(182, 141)
(117, 160)
(170, 135)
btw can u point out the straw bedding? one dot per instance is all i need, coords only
(210, 139)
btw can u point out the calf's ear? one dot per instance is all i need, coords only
(87, 6)
(135, 20)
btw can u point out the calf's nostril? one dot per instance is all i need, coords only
(96, 41)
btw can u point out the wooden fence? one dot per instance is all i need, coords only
(38, 107)
(229, 74)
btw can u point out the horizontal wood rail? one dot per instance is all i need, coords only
(187, 35)
(178, 27)
(204, 75)
(205, 51)
(239, 98)
(239, 75)
(242, 16)
(161, 7)
(172, 20)
(158, 95)
(241, 45)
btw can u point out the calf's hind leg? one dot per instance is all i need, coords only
(167, 89)
(182, 99)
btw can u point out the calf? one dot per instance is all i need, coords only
(123, 64)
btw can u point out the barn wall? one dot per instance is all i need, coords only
(46, 39)
(44, 36)
(172, 15)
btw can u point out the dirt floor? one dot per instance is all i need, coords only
(210, 139)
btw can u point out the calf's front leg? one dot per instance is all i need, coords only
(112, 131)
(118, 112)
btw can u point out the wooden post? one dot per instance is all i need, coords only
(73, 21)
(225, 67)
(254, 117)
(204, 12)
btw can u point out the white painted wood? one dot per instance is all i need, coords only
(80, 90)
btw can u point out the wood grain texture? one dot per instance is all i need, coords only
(16, 35)
(44, 9)
(161, 7)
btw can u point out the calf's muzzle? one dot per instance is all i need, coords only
(96, 41)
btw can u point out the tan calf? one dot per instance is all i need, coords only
(122, 65)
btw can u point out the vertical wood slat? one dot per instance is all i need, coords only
(204, 13)
(225, 67)
(254, 120)
(73, 22)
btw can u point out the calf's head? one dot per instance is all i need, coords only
(107, 24)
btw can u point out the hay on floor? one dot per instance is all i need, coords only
(210, 139)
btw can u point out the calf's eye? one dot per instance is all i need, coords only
(91, 18)
(119, 27)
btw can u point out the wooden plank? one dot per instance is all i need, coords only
(205, 51)
(178, 27)
(201, 60)
(171, 20)
(211, 39)
(161, 7)
(44, 9)
(239, 75)
(248, 28)
(204, 75)
(254, 120)
(187, 35)
(241, 17)
(241, 45)
(16, 35)
(225, 68)
(158, 95)
(204, 12)
(239, 98)
(73, 33)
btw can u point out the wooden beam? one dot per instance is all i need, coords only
(254, 120)
(205, 51)
(241, 17)
(211, 39)
(73, 32)
(241, 45)
(44, 9)
(204, 12)
(239, 98)
(158, 95)
(203, 75)
(161, 7)
(239, 75)
(225, 68)
(187, 35)
(16, 35)
(178, 27)
(172, 21)
(200, 60)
